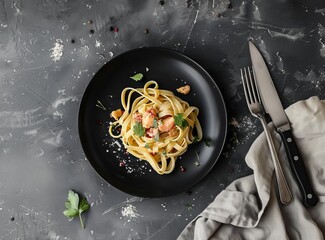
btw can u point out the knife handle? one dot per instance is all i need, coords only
(298, 168)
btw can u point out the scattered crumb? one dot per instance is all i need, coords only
(57, 50)
(129, 212)
(98, 43)
(116, 114)
(184, 89)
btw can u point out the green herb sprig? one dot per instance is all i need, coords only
(100, 105)
(138, 129)
(137, 77)
(180, 121)
(195, 139)
(156, 138)
(207, 142)
(74, 207)
(155, 123)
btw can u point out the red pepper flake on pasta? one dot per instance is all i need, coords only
(157, 126)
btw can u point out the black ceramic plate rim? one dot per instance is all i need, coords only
(112, 181)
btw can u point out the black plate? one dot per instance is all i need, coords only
(171, 70)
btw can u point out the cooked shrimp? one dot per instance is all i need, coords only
(167, 124)
(148, 118)
(173, 132)
(151, 132)
(137, 117)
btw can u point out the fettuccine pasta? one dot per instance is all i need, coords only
(156, 126)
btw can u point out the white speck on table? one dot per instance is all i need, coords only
(57, 50)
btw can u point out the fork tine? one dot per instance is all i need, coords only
(244, 85)
(252, 85)
(257, 91)
(248, 87)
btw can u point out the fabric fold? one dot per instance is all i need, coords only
(249, 208)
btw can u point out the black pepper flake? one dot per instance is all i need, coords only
(73, 41)
(12, 219)
(161, 2)
(219, 15)
(189, 192)
(146, 31)
(99, 122)
(90, 22)
(91, 31)
(229, 5)
(111, 29)
(207, 142)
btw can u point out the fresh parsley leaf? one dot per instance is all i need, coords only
(84, 205)
(138, 129)
(195, 139)
(156, 138)
(155, 123)
(73, 199)
(70, 213)
(74, 207)
(67, 205)
(146, 145)
(137, 77)
(180, 121)
(207, 142)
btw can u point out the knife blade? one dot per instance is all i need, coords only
(274, 108)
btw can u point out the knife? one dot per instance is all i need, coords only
(274, 108)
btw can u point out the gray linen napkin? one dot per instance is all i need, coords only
(249, 208)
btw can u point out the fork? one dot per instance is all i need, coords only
(257, 110)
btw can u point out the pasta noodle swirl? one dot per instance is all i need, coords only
(156, 126)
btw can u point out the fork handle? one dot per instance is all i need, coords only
(285, 194)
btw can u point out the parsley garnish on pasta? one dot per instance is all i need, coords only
(156, 125)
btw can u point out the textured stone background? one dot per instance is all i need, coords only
(49, 52)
